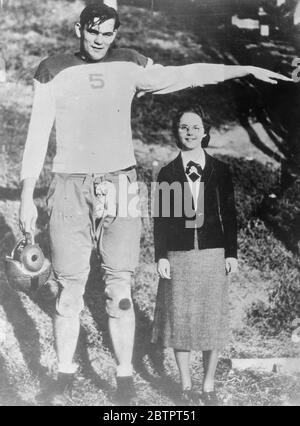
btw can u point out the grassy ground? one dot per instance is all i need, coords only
(32, 30)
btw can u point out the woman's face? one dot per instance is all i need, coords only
(190, 131)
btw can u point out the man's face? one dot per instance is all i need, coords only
(95, 40)
(190, 131)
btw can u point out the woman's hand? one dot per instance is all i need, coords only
(164, 269)
(231, 265)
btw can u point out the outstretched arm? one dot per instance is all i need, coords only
(161, 80)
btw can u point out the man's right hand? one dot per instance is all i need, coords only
(28, 211)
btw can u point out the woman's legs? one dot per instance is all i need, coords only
(210, 361)
(183, 363)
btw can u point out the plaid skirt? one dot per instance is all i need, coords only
(192, 308)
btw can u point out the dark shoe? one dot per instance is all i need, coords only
(210, 399)
(60, 394)
(188, 398)
(125, 394)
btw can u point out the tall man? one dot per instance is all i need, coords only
(88, 94)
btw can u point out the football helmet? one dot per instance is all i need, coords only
(26, 268)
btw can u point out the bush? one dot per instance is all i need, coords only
(283, 305)
(283, 217)
(260, 250)
(252, 181)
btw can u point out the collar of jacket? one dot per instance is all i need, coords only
(179, 172)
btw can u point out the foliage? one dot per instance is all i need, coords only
(261, 250)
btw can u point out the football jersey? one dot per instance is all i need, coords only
(90, 103)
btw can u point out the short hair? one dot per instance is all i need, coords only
(100, 11)
(198, 110)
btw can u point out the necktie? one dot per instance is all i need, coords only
(193, 170)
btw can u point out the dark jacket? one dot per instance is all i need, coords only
(219, 229)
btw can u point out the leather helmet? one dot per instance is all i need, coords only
(26, 268)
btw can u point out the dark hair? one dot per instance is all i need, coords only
(100, 11)
(196, 109)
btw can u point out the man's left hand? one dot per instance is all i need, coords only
(267, 75)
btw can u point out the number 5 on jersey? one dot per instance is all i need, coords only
(96, 81)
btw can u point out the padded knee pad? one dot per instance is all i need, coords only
(69, 304)
(125, 304)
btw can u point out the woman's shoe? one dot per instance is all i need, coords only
(210, 399)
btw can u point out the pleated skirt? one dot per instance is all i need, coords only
(192, 308)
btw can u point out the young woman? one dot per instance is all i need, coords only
(194, 251)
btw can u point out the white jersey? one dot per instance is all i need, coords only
(90, 104)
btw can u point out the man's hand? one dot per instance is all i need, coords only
(238, 71)
(28, 211)
(231, 265)
(163, 268)
(267, 75)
